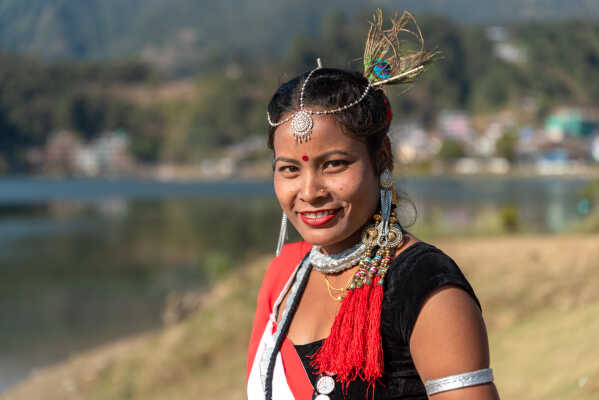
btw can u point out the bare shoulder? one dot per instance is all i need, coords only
(449, 337)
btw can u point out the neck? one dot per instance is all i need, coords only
(343, 245)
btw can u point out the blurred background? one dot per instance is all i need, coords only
(137, 213)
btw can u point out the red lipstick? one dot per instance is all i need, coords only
(318, 217)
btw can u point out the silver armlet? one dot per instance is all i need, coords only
(458, 381)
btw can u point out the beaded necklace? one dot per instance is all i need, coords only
(335, 263)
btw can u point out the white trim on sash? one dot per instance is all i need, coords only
(256, 381)
(280, 387)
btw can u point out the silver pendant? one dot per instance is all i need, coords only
(322, 397)
(325, 385)
(301, 125)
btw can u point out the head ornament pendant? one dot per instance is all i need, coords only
(301, 126)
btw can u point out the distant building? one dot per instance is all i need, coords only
(411, 142)
(504, 49)
(65, 154)
(229, 163)
(564, 157)
(467, 165)
(246, 148)
(570, 136)
(456, 125)
(510, 53)
(595, 148)
(59, 154)
(107, 155)
(529, 144)
(484, 144)
(571, 121)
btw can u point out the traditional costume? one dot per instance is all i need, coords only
(413, 275)
(367, 352)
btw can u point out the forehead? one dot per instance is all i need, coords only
(327, 134)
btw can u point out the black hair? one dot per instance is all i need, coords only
(368, 120)
(330, 88)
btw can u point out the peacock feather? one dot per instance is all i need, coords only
(386, 59)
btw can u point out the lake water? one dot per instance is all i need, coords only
(86, 261)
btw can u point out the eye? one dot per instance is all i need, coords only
(288, 169)
(335, 165)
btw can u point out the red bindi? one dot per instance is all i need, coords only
(305, 158)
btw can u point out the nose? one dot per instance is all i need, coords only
(313, 188)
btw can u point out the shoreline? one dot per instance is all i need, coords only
(268, 178)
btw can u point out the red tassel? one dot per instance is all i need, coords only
(329, 358)
(355, 350)
(354, 347)
(374, 354)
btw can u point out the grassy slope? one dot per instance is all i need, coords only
(540, 302)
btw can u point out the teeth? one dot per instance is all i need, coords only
(319, 214)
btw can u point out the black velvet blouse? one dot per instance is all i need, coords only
(414, 274)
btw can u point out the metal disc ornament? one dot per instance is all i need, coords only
(301, 125)
(370, 235)
(394, 237)
(325, 384)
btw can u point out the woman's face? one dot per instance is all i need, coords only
(327, 186)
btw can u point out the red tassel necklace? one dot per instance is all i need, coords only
(353, 348)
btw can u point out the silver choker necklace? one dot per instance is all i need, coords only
(335, 263)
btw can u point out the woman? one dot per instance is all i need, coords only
(360, 308)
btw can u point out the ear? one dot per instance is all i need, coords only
(384, 156)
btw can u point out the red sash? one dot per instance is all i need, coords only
(276, 277)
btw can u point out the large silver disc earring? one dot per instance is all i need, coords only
(282, 233)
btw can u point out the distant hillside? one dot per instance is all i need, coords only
(116, 29)
(224, 102)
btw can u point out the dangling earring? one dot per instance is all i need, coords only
(282, 234)
(386, 182)
(357, 324)
(395, 201)
(385, 233)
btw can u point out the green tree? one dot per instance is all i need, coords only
(507, 145)
(451, 150)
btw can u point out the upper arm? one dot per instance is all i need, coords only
(449, 337)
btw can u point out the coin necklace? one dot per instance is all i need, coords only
(324, 386)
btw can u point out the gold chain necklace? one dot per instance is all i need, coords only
(331, 288)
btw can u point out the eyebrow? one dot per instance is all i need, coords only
(317, 158)
(285, 159)
(333, 152)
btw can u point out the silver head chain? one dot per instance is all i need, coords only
(301, 120)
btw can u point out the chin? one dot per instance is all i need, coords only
(326, 238)
(320, 238)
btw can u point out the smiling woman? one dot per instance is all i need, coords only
(328, 198)
(360, 308)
